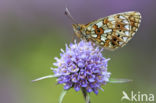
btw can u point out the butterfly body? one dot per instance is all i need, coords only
(110, 32)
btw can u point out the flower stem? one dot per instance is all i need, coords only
(86, 95)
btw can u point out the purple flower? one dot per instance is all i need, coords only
(82, 66)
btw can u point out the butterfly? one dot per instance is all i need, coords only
(110, 32)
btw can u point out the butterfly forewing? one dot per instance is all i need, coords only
(113, 31)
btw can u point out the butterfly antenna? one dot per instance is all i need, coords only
(67, 13)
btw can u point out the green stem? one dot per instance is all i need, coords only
(85, 95)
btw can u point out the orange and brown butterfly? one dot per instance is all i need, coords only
(110, 32)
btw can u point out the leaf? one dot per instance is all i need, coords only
(45, 77)
(115, 80)
(62, 96)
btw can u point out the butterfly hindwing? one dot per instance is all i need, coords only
(113, 31)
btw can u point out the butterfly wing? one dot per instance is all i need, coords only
(113, 31)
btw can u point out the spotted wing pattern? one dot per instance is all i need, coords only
(113, 31)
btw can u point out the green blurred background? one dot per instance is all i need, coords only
(33, 31)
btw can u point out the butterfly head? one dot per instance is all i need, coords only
(77, 29)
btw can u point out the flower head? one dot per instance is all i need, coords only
(82, 66)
